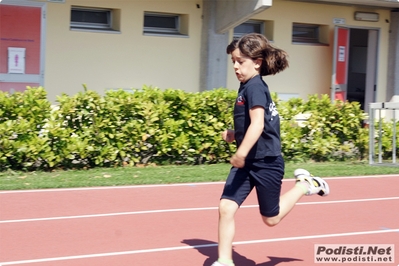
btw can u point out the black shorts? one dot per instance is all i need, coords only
(263, 174)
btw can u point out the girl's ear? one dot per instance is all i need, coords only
(258, 63)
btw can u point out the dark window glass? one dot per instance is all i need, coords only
(90, 18)
(305, 33)
(167, 22)
(248, 27)
(161, 23)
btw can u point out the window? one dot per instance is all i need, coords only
(248, 27)
(305, 33)
(91, 18)
(163, 24)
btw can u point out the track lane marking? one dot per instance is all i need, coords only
(248, 242)
(181, 210)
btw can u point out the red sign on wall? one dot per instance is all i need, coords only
(342, 56)
(20, 29)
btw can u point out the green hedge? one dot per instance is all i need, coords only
(334, 131)
(153, 126)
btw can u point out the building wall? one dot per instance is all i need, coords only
(127, 59)
(311, 65)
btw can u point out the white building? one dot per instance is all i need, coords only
(348, 49)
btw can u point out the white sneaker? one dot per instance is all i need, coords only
(300, 174)
(316, 184)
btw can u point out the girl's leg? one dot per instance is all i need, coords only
(237, 188)
(305, 185)
(287, 202)
(227, 211)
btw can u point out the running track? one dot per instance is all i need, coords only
(177, 225)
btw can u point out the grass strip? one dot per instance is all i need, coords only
(13, 180)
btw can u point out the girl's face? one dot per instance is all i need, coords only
(244, 67)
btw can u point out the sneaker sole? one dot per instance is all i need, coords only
(325, 188)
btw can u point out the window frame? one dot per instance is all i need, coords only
(314, 39)
(162, 30)
(252, 22)
(92, 25)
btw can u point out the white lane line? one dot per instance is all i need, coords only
(173, 185)
(181, 210)
(109, 188)
(249, 242)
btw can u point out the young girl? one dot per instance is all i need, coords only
(258, 161)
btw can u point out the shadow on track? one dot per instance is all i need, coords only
(210, 250)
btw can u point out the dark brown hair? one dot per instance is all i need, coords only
(257, 46)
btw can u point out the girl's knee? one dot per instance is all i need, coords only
(271, 221)
(227, 207)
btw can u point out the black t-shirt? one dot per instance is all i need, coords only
(255, 92)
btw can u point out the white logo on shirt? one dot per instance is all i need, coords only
(273, 110)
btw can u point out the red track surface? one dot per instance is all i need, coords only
(177, 225)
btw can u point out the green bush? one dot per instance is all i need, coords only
(334, 130)
(153, 126)
(22, 120)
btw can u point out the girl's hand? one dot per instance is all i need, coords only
(237, 161)
(228, 135)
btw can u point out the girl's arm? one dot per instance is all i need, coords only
(255, 129)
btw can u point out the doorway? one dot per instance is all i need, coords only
(355, 65)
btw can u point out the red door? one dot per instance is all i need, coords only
(20, 47)
(340, 64)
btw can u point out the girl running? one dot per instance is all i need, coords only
(258, 161)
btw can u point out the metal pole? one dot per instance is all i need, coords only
(394, 137)
(371, 135)
(379, 138)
